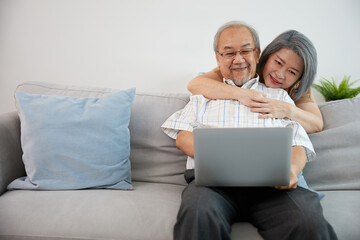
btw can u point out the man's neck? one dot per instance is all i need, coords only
(254, 79)
(242, 82)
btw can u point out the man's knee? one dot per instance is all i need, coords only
(313, 225)
(202, 215)
(201, 204)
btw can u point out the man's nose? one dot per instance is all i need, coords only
(239, 58)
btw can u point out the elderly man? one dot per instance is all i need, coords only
(289, 212)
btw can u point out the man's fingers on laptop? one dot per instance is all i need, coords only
(286, 187)
(292, 185)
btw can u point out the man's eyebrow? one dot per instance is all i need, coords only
(242, 46)
(228, 48)
(282, 60)
(246, 45)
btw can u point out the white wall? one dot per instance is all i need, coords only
(156, 45)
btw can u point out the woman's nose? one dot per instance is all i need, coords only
(280, 73)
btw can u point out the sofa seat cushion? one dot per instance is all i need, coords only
(342, 211)
(244, 230)
(148, 212)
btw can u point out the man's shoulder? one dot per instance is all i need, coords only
(275, 93)
(197, 100)
(198, 97)
(200, 102)
(201, 99)
(274, 90)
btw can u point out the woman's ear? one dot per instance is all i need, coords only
(294, 87)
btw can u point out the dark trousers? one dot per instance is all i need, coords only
(208, 212)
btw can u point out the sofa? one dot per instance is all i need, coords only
(157, 166)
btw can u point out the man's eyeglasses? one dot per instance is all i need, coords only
(243, 52)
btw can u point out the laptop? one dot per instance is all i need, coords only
(246, 157)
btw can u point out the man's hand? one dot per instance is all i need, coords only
(298, 162)
(293, 181)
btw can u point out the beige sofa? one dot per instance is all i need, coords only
(149, 211)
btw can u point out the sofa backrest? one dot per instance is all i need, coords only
(337, 147)
(154, 156)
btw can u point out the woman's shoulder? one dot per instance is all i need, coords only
(308, 97)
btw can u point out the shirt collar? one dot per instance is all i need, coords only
(251, 84)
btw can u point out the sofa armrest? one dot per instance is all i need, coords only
(11, 165)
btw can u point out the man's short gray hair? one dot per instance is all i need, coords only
(303, 47)
(237, 24)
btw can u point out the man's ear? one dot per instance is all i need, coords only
(258, 52)
(217, 59)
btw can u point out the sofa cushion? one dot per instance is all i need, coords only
(342, 211)
(148, 212)
(154, 156)
(75, 143)
(337, 164)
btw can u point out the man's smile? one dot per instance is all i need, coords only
(239, 68)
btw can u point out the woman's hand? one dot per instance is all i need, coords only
(250, 97)
(273, 109)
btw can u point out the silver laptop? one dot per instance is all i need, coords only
(242, 156)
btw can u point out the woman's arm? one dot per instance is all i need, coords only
(309, 116)
(306, 112)
(211, 86)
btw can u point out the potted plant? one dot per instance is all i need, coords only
(331, 91)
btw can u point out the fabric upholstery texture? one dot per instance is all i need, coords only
(153, 156)
(337, 162)
(149, 211)
(75, 143)
(10, 149)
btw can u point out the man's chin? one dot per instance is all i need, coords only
(241, 80)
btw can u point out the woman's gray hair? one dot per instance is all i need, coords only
(303, 47)
(237, 24)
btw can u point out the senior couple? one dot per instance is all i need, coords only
(260, 90)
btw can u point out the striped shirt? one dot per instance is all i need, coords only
(201, 112)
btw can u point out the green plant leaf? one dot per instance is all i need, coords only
(331, 91)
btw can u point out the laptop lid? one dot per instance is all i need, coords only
(242, 156)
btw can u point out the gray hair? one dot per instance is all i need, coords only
(303, 47)
(237, 24)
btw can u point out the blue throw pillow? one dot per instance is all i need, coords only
(75, 143)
